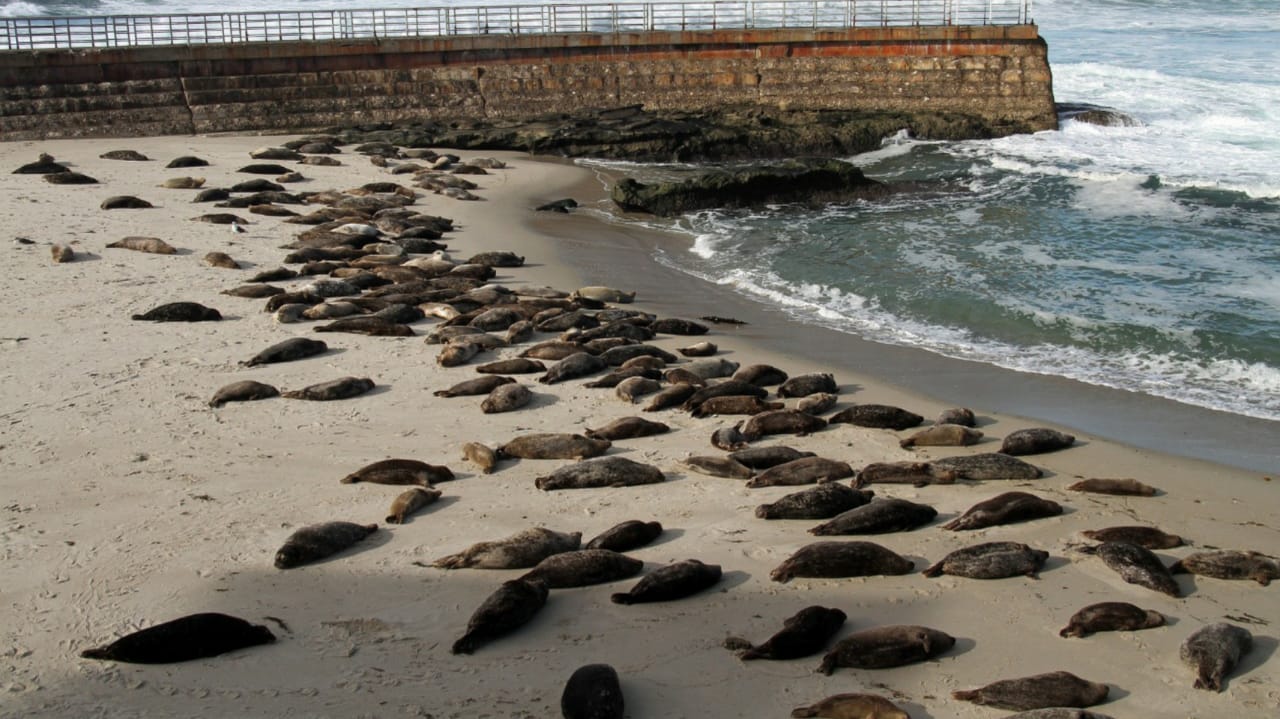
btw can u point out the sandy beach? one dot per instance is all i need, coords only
(128, 501)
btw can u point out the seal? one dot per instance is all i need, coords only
(711, 368)
(943, 435)
(317, 541)
(625, 536)
(618, 376)
(807, 384)
(125, 202)
(761, 375)
(817, 403)
(574, 366)
(295, 348)
(723, 389)
(584, 567)
(806, 632)
(400, 471)
(717, 466)
(989, 465)
(766, 457)
(620, 355)
(603, 294)
(1122, 487)
(130, 155)
(515, 365)
(1136, 565)
(554, 445)
(1036, 440)
(852, 706)
(476, 386)
(1054, 689)
(522, 550)
(194, 636)
(670, 582)
(678, 326)
(341, 388)
(152, 245)
(729, 438)
(481, 456)
(991, 560)
(592, 692)
(180, 312)
(243, 391)
(733, 404)
(1229, 564)
(628, 428)
(805, 470)
(885, 647)
(1057, 713)
(510, 607)
(780, 421)
(506, 398)
(878, 516)
(62, 253)
(672, 396)
(633, 388)
(918, 474)
(600, 472)
(699, 349)
(1004, 509)
(877, 416)
(69, 178)
(409, 502)
(962, 416)
(680, 375)
(1149, 537)
(222, 260)
(254, 291)
(1110, 617)
(369, 325)
(841, 559)
(821, 502)
(183, 183)
(1214, 651)
(453, 355)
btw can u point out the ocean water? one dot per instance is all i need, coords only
(1142, 257)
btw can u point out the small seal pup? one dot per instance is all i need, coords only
(841, 559)
(611, 471)
(409, 502)
(1149, 537)
(877, 416)
(180, 312)
(805, 470)
(673, 581)
(521, 550)
(1004, 509)
(821, 502)
(1054, 689)
(628, 428)
(243, 391)
(991, 560)
(317, 541)
(400, 471)
(510, 607)
(989, 465)
(943, 435)
(295, 348)
(341, 388)
(885, 647)
(584, 567)
(592, 692)
(506, 398)
(1229, 564)
(1214, 651)
(805, 633)
(194, 636)
(1122, 487)
(1036, 440)
(625, 536)
(553, 445)
(852, 706)
(1136, 565)
(1110, 617)
(481, 455)
(879, 516)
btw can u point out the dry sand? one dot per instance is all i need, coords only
(128, 501)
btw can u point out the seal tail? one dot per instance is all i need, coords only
(828, 664)
(622, 598)
(1178, 568)
(98, 653)
(453, 561)
(956, 524)
(466, 645)
(803, 712)
(967, 695)
(934, 571)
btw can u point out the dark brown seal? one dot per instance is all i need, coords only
(400, 471)
(593, 692)
(841, 559)
(515, 365)
(885, 647)
(672, 396)
(125, 202)
(1230, 564)
(341, 388)
(576, 365)
(805, 470)
(729, 438)
(506, 398)
(1136, 565)
(852, 705)
(821, 502)
(1035, 440)
(877, 416)
(507, 609)
(600, 472)
(1110, 617)
(195, 636)
(879, 516)
(584, 567)
(1054, 689)
(243, 391)
(292, 349)
(625, 536)
(991, 560)
(554, 445)
(409, 502)
(673, 581)
(317, 541)
(628, 428)
(988, 465)
(806, 632)
(1123, 487)
(918, 474)
(766, 457)
(807, 384)
(733, 404)
(780, 421)
(1214, 651)
(1149, 537)
(1004, 508)
(180, 312)
(519, 551)
(761, 375)
(475, 386)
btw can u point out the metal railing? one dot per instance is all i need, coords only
(26, 33)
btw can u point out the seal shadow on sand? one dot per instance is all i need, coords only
(1263, 648)
(731, 579)
(668, 535)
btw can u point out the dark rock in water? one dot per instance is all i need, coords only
(558, 206)
(194, 636)
(1095, 115)
(808, 180)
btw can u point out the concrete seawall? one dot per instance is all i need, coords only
(997, 73)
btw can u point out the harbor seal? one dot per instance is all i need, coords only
(1214, 651)
(699, 349)
(1136, 565)
(805, 470)
(729, 438)
(180, 312)
(804, 633)
(988, 465)
(522, 550)
(717, 466)
(579, 364)
(761, 375)
(625, 536)
(603, 294)
(1110, 617)
(780, 421)
(515, 365)
(766, 457)
(341, 388)
(1035, 440)
(222, 260)
(400, 471)
(817, 403)
(506, 398)
(292, 349)
(1054, 689)
(1004, 509)
(943, 435)
(678, 326)
(152, 245)
(476, 386)
(195, 636)
(1122, 487)
(554, 445)
(879, 516)
(409, 502)
(807, 384)
(840, 559)
(1230, 564)
(733, 404)
(821, 502)
(628, 428)
(885, 647)
(612, 471)
(317, 541)
(633, 388)
(510, 607)
(962, 416)
(877, 416)
(670, 582)
(1149, 537)
(243, 391)
(723, 389)
(991, 560)
(125, 202)
(584, 567)
(852, 706)
(918, 474)
(592, 692)
(672, 396)
(481, 455)
(61, 253)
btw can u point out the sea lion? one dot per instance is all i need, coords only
(335, 389)
(1149, 537)
(807, 384)
(673, 581)
(989, 465)
(125, 202)
(522, 550)
(554, 445)
(61, 253)
(766, 457)
(962, 416)
(476, 386)
(699, 349)
(292, 349)
(600, 472)
(817, 403)
(254, 291)
(506, 398)
(918, 474)
(1054, 689)
(628, 428)
(183, 183)
(1123, 487)
(317, 541)
(711, 368)
(991, 560)
(513, 604)
(840, 559)
(1035, 440)
(805, 470)
(821, 502)
(733, 404)
(400, 471)
(1214, 651)
(1136, 565)
(180, 312)
(877, 416)
(717, 466)
(243, 391)
(632, 388)
(484, 458)
(761, 375)
(943, 435)
(153, 245)
(222, 260)
(409, 502)
(804, 633)
(1110, 617)
(729, 438)
(885, 647)
(780, 421)
(852, 706)
(672, 396)
(625, 536)
(584, 567)
(878, 516)
(195, 636)
(1229, 564)
(575, 365)
(515, 365)
(723, 389)
(592, 692)
(1004, 509)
